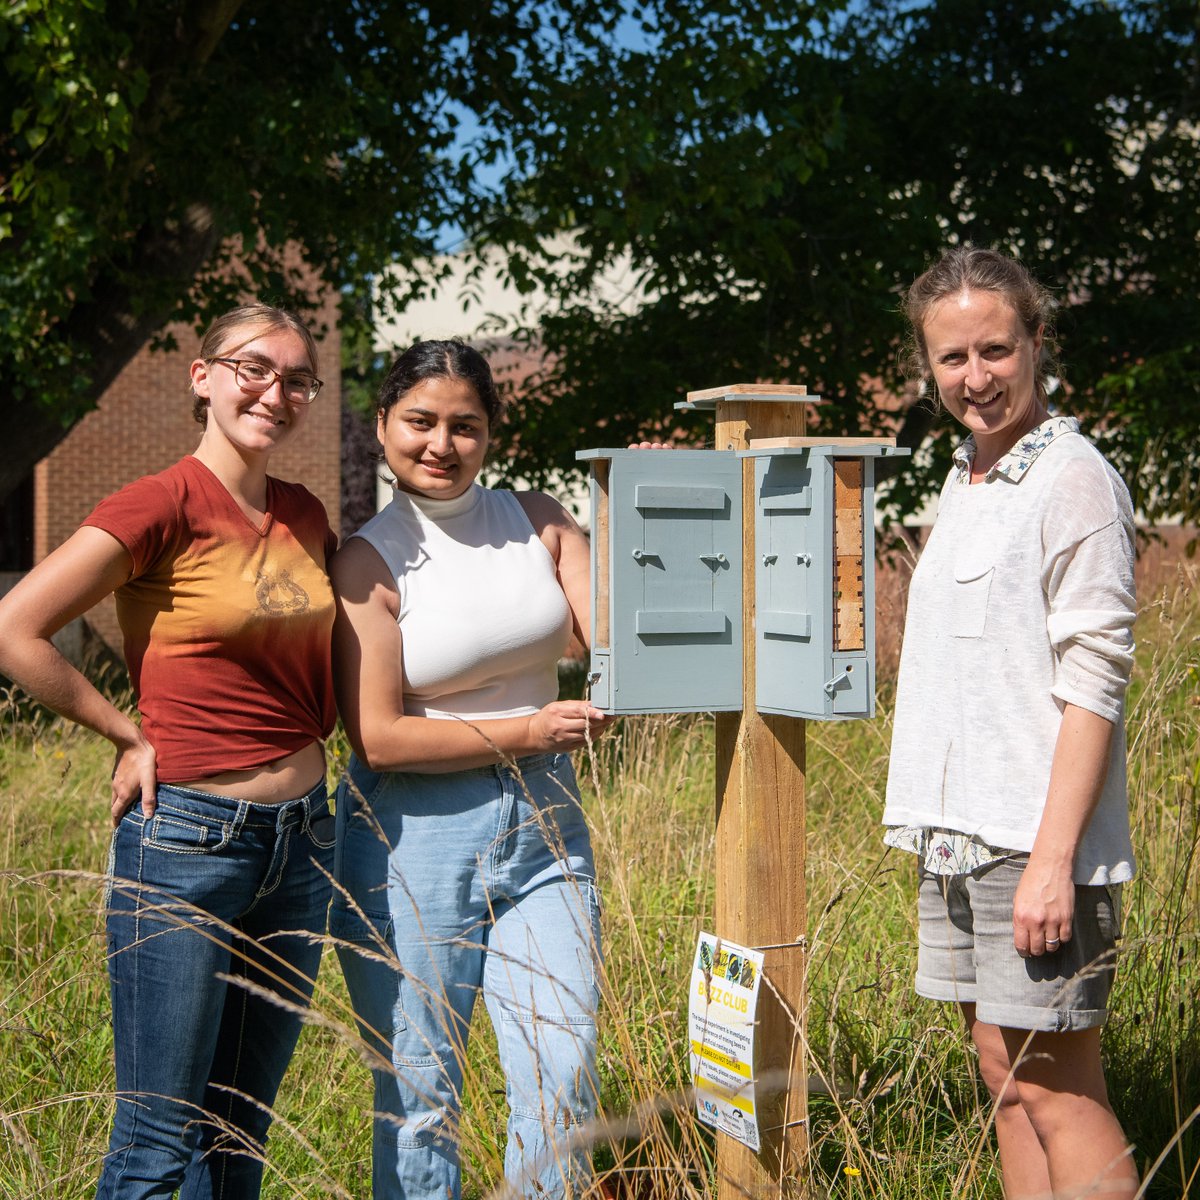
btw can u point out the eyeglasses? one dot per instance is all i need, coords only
(256, 378)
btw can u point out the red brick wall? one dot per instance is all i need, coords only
(144, 424)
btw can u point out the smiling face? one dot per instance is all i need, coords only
(435, 438)
(985, 366)
(248, 423)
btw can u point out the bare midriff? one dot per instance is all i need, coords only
(285, 779)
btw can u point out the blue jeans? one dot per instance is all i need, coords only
(452, 886)
(208, 887)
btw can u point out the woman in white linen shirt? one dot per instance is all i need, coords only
(1007, 770)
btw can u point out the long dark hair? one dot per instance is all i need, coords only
(449, 359)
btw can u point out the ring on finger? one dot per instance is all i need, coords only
(1054, 941)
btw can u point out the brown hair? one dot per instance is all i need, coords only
(967, 268)
(238, 327)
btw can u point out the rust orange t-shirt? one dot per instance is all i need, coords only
(226, 627)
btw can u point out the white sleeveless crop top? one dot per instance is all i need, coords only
(483, 617)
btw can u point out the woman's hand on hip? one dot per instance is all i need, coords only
(566, 725)
(134, 778)
(1043, 908)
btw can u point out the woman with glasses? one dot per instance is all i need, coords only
(222, 834)
(464, 867)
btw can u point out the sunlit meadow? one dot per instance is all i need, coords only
(898, 1109)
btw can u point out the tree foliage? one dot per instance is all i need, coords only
(159, 158)
(772, 174)
(779, 181)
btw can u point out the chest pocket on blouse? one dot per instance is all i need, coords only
(973, 574)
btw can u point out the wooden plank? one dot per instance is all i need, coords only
(849, 618)
(600, 469)
(850, 579)
(693, 496)
(848, 482)
(848, 531)
(760, 897)
(790, 391)
(848, 629)
(738, 421)
(784, 443)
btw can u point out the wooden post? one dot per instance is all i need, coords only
(760, 849)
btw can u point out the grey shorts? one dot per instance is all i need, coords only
(966, 952)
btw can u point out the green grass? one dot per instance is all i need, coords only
(901, 1100)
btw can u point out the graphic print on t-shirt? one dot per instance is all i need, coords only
(280, 593)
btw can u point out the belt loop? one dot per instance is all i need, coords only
(318, 791)
(305, 806)
(239, 817)
(290, 813)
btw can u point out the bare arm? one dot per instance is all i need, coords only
(568, 546)
(80, 573)
(1044, 906)
(368, 676)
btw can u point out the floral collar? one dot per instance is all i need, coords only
(1021, 457)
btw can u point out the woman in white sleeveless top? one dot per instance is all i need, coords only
(463, 861)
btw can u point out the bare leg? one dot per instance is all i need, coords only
(1022, 1159)
(1060, 1082)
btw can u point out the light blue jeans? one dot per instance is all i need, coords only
(448, 887)
(206, 890)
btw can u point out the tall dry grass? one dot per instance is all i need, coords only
(900, 1110)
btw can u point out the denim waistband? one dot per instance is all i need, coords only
(283, 815)
(528, 765)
